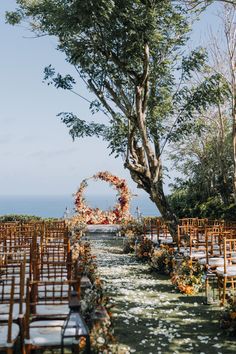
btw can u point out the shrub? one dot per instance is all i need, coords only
(162, 259)
(188, 277)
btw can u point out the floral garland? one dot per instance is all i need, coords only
(120, 211)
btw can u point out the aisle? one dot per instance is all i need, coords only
(149, 316)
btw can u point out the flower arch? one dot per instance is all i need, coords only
(120, 211)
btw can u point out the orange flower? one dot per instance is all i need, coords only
(82, 343)
(233, 315)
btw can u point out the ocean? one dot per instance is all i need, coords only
(55, 206)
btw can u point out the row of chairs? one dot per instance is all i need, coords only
(156, 229)
(35, 285)
(211, 242)
(215, 248)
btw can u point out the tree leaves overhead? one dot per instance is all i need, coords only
(64, 82)
(205, 161)
(213, 90)
(195, 61)
(80, 128)
(105, 39)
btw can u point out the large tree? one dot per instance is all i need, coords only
(204, 159)
(130, 55)
(202, 4)
(229, 21)
(222, 49)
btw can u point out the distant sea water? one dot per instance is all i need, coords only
(55, 206)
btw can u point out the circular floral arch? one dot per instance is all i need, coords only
(120, 211)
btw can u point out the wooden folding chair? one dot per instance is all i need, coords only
(51, 262)
(9, 331)
(227, 273)
(16, 241)
(47, 308)
(7, 272)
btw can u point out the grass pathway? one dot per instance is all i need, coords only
(149, 315)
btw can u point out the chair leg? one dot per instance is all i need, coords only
(219, 288)
(75, 349)
(22, 331)
(224, 291)
(26, 349)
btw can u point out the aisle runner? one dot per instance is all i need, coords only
(149, 316)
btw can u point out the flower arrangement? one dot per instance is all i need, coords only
(84, 262)
(77, 227)
(131, 230)
(117, 215)
(144, 249)
(102, 332)
(188, 277)
(162, 259)
(228, 317)
(93, 301)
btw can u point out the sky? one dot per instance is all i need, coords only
(37, 155)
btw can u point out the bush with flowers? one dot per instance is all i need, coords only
(188, 277)
(77, 226)
(144, 249)
(228, 317)
(132, 231)
(117, 215)
(93, 300)
(132, 228)
(129, 244)
(84, 261)
(162, 259)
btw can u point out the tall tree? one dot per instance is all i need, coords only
(130, 55)
(202, 4)
(223, 60)
(230, 35)
(204, 159)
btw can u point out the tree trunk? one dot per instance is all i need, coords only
(144, 157)
(234, 119)
(234, 152)
(158, 197)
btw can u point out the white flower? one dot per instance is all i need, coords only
(100, 340)
(217, 345)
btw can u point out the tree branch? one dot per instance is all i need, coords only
(101, 97)
(116, 98)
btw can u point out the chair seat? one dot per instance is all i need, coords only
(53, 291)
(59, 310)
(4, 332)
(197, 255)
(230, 271)
(212, 262)
(4, 311)
(48, 333)
(167, 240)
